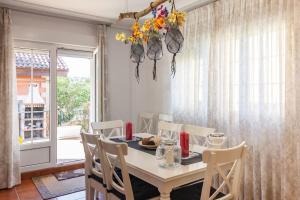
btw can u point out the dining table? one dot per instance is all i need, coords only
(145, 166)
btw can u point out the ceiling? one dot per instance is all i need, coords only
(106, 10)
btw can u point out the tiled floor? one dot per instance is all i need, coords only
(28, 191)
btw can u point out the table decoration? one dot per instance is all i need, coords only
(184, 143)
(168, 154)
(129, 131)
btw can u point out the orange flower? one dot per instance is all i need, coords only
(145, 38)
(159, 22)
(135, 26)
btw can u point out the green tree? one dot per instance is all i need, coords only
(73, 96)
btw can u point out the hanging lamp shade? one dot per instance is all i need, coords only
(137, 55)
(154, 51)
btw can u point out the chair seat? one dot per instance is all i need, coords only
(141, 190)
(191, 192)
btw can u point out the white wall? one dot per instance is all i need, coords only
(149, 95)
(41, 28)
(119, 78)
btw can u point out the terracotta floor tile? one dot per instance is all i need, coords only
(9, 194)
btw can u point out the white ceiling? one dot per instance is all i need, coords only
(105, 9)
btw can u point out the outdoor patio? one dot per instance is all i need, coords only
(69, 150)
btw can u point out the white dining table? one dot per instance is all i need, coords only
(145, 167)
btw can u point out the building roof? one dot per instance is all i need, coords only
(37, 61)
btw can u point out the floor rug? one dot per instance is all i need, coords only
(60, 176)
(49, 187)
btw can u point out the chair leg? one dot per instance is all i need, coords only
(91, 193)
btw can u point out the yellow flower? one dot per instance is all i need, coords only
(121, 37)
(138, 34)
(131, 39)
(177, 17)
(172, 18)
(181, 18)
(147, 25)
(20, 139)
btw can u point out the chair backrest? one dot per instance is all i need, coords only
(216, 157)
(146, 122)
(197, 131)
(114, 155)
(165, 117)
(92, 152)
(108, 128)
(169, 130)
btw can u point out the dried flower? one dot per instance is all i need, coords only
(177, 18)
(159, 23)
(121, 37)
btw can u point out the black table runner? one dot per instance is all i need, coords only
(134, 144)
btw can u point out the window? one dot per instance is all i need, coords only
(33, 95)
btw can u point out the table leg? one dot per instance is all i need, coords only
(165, 193)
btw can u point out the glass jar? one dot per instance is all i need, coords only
(216, 140)
(168, 154)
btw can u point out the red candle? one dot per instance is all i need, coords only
(128, 131)
(184, 143)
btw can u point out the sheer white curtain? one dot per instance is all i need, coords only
(238, 73)
(9, 146)
(102, 75)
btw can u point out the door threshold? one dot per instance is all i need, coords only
(51, 170)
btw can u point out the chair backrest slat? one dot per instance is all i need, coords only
(115, 128)
(114, 157)
(146, 122)
(214, 159)
(198, 134)
(165, 117)
(198, 130)
(171, 130)
(92, 153)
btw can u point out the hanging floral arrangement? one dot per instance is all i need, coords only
(137, 52)
(162, 25)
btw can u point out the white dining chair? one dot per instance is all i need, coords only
(197, 133)
(108, 128)
(121, 185)
(145, 122)
(215, 158)
(94, 174)
(169, 130)
(165, 117)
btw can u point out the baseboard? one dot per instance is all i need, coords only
(41, 172)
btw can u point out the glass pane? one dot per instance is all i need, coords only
(33, 91)
(73, 106)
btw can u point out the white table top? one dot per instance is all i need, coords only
(148, 164)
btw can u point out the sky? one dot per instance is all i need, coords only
(78, 67)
